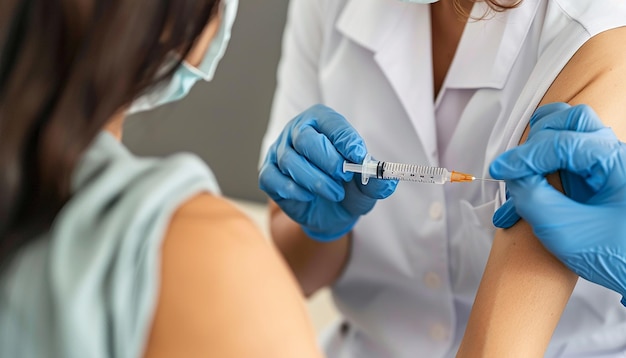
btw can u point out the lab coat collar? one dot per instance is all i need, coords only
(370, 22)
(385, 27)
(490, 46)
(494, 46)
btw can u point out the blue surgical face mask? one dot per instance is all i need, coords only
(420, 1)
(187, 75)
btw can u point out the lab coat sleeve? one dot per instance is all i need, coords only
(297, 83)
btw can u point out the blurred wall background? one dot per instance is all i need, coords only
(223, 121)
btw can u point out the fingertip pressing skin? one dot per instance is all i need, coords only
(506, 216)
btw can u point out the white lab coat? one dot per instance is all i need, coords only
(418, 257)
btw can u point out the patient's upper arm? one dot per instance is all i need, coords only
(596, 76)
(224, 290)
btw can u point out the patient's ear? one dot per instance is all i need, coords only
(200, 48)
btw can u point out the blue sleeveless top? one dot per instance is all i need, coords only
(89, 287)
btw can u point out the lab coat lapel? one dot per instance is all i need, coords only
(399, 36)
(490, 47)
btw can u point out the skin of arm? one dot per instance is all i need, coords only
(225, 292)
(315, 264)
(524, 288)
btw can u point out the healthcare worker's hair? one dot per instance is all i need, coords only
(66, 67)
(502, 5)
(496, 5)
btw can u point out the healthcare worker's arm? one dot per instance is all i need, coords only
(525, 288)
(315, 263)
(225, 291)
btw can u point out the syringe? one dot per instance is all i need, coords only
(406, 172)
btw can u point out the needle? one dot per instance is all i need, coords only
(491, 180)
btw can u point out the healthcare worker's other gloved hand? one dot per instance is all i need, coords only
(303, 174)
(588, 234)
(573, 184)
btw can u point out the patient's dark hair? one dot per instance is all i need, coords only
(66, 67)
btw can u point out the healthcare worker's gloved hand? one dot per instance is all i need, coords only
(573, 184)
(588, 232)
(303, 174)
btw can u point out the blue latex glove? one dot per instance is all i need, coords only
(573, 184)
(303, 174)
(588, 234)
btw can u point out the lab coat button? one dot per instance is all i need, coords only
(436, 211)
(432, 280)
(438, 332)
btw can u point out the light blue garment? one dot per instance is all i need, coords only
(89, 287)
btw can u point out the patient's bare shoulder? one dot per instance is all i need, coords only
(223, 284)
(596, 76)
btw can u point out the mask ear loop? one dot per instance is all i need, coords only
(219, 43)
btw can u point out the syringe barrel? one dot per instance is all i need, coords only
(415, 173)
(371, 168)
